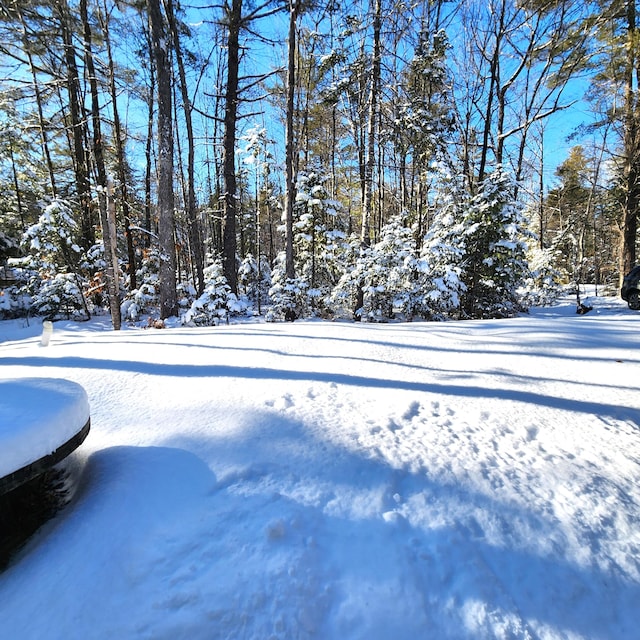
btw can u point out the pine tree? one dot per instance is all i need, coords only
(217, 301)
(383, 273)
(53, 243)
(442, 257)
(494, 263)
(318, 241)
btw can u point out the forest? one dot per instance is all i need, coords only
(366, 159)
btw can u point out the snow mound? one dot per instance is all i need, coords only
(38, 415)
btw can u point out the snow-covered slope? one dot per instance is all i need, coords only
(341, 481)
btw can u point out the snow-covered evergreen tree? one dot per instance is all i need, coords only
(319, 243)
(16, 297)
(57, 257)
(543, 286)
(217, 301)
(52, 240)
(344, 294)
(59, 297)
(495, 264)
(385, 272)
(144, 299)
(288, 297)
(424, 117)
(442, 257)
(389, 272)
(254, 283)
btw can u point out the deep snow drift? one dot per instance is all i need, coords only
(340, 481)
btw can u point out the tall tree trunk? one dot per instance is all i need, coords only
(166, 224)
(631, 148)
(195, 234)
(367, 206)
(234, 19)
(109, 242)
(290, 187)
(149, 147)
(77, 128)
(367, 203)
(120, 154)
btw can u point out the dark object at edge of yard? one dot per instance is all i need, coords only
(630, 291)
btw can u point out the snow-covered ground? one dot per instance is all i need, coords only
(342, 481)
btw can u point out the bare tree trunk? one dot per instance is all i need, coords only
(195, 234)
(107, 238)
(166, 224)
(367, 204)
(120, 154)
(149, 149)
(631, 149)
(290, 188)
(77, 127)
(234, 18)
(367, 208)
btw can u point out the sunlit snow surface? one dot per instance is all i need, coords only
(343, 481)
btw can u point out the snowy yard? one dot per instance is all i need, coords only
(342, 481)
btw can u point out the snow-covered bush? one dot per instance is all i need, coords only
(216, 303)
(380, 278)
(544, 284)
(439, 268)
(387, 270)
(59, 290)
(52, 240)
(345, 293)
(288, 297)
(60, 297)
(15, 295)
(254, 284)
(139, 301)
(186, 294)
(145, 298)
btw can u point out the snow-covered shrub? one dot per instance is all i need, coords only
(145, 298)
(288, 297)
(15, 295)
(252, 284)
(440, 264)
(59, 297)
(139, 301)
(216, 303)
(186, 294)
(544, 284)
(94, 266)
(60, 287)
(345, 293)
(387, 269)
(52, 239)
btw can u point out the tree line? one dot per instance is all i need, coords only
(372, 158)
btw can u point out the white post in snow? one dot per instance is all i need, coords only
(47, 330)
